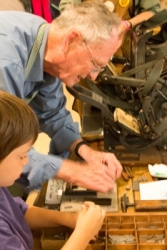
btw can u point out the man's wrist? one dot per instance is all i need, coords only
(76, 150)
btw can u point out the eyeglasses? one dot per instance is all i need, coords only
(97, 69)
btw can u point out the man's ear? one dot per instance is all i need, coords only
(70, 39)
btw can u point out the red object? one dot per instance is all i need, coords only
(42, 8)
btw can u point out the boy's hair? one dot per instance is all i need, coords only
(18, 124)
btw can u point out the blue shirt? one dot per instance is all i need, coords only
(17, 34)
(14, 231)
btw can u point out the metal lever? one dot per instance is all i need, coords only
(125, 203)
(93, 99)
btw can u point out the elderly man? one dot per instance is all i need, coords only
(77, 44)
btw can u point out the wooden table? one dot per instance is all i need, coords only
(138, 169)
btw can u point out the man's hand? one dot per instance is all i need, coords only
(108, 160)
(104, 169)
(99, 173)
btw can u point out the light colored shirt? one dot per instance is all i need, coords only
(147, 5)
(17, 34)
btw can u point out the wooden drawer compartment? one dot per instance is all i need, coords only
(54, 238)
(149, 231)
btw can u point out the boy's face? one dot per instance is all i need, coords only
(11, 167)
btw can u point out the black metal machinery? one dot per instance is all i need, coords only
(133, 104)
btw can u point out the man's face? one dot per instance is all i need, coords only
(87, 60)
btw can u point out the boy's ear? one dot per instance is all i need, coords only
(71, 38)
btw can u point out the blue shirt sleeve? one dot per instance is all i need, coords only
(147, 5)
(48, 104)
(55, 120)
(41, 168)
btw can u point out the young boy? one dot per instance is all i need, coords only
(18, 131)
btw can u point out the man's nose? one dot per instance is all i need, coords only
(93, 75)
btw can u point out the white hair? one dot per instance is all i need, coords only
(92, 20)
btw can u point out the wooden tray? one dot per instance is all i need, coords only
(149, 231)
